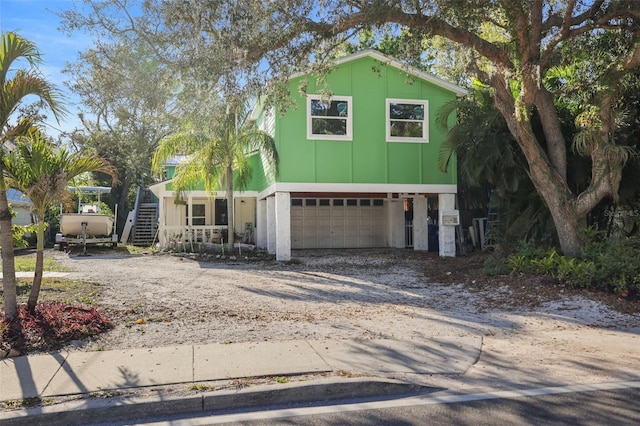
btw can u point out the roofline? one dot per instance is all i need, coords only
(459, 91)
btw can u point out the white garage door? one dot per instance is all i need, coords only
(337, 223)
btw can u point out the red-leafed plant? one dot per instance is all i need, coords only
(51, 326)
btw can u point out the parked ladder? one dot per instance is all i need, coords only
(491, 231)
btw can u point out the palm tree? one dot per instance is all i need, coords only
(43, 173)
(217, 154)
(15, 86)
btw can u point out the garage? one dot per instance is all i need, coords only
(337, 223)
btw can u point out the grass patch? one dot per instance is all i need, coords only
(15, 404)
(59, 290)
(138, 250)
(28, 263)
(200, 387)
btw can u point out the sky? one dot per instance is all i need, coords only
(35, 20)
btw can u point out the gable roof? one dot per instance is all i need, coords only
(387, 60)
(459, 91)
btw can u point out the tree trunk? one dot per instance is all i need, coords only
(37, 278)
(556, 144)
(8, 266)
(548, 182)
(555, 193)
(122, 200)
(230, 209)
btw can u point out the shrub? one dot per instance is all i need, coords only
(607, 264)
(51, 325)
(616, 264)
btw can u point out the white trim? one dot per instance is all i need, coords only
(387, 60)
(360, 187)
(159, 190)
(425, 120)
(457, 90)
(349, 118)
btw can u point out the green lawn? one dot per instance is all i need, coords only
(28, 263)
(73, 292)
(53, 289)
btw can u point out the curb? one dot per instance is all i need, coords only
(93, 411)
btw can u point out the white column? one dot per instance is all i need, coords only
(161, 219)
(271, 225)
(396, 223)
(261, 224)
(283, 226)
(446, 234)
(420, 224)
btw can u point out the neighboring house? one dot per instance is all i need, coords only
(358, 168)
(21, 206)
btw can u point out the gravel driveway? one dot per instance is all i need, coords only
(529, 331)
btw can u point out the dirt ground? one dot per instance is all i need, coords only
(164, 300)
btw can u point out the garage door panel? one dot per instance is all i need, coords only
(337, 223)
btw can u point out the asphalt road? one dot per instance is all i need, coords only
(566, 406)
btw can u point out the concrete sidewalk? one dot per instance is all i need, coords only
(82, 373)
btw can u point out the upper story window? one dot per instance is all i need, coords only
(329, 118)
(407, 120)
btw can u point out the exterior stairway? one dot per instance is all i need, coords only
(144, 231)
(142, 222)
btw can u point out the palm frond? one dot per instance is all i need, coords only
(43, 172)
(13, 47)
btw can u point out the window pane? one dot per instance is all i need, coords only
(310, 202)
(406, 111)
(221, 212)
(329, 109)
(197, 221)
(328, 126)
(198, 210)
(406, 129)
(352, 202)
(365, 202)
(378, 203)
(338, 202)
(324, 202)
(296, 202)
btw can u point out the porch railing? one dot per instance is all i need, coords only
(192, 234)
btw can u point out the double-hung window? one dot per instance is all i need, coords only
(198, 215)
(329, 118)
(407, 120)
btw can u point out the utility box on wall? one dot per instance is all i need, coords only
(451, 218)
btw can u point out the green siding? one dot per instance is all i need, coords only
(259, 179)
(333, 160)
(258, 176)
(402, 170)
(368, 158)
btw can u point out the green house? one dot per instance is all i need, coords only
(358, 167)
